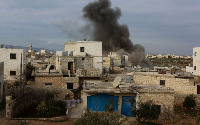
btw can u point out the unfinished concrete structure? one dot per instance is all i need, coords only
(14, 61)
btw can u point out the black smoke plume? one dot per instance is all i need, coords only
(107, 29)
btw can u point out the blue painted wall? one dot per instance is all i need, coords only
(126, 106)
(98, 102)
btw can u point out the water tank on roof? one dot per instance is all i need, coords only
(128, 79)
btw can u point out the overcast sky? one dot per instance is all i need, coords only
(161, 26)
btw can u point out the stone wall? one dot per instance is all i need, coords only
(179, 85)
(74, 80)
(163, 99)
(55, 80)
(179, 99)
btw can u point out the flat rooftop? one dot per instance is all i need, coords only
(107, 87)
(74, 42)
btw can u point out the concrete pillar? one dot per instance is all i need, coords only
(137, 100)
(8, 107)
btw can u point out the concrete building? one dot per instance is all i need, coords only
(115, 63)
(12, 59)
(196, 61)
(80, 61)
(1, 80)
(189, 69)
(86, 49)
(43, 51)
(180, 85)
(96, 94)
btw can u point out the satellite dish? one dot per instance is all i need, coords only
(117, 81)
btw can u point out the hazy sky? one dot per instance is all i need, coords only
(161, 26)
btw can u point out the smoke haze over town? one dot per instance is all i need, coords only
(165, 27)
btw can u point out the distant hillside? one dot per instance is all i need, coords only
(26, 48)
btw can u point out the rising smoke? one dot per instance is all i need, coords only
(114, 37)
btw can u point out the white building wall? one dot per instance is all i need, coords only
(196, 61)
(1, 80)
(189, 69)
(92, 48)
(13, 64)
(43, 51)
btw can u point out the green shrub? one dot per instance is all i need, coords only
(146, 110)
(101, 118)
(50, 107)
(189, 102)
(42, 109)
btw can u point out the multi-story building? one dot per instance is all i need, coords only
(14, 63)
(1, 80)
(81, 60)
(83, 49)
(196, 61)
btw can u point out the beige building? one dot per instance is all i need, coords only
(12, 59)
(96, 94)
(115, 63)
(1, 80)
(80, 61)
(180, 85)
(196, 61)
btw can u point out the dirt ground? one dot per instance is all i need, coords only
(34, 122)
(4, 121)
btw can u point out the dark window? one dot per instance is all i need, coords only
(71, 53)
(69, 85)
(48, 84)
(82, 49)
(195, 53)
(198, 89)
(195, 67)
(12, 73)
(162, 82)
(12, 55)
(157, 109)
(83, 59)
(52, 67)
